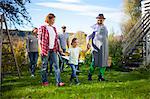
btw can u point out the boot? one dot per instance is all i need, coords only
(100, 78)
(89, 77)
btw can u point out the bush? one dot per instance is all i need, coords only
(115, 51)
(88, 59)
(144, 68)
(19, 51)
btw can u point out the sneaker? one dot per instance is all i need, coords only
(60, 84)
(77, 83)
(45, 84)
(71, 84)
(51, 74)
(100, 78)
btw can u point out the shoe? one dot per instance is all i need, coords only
(51, 74)
(32, 75)
(71, 84)
(60, 84)
(100, 78)
(45, 84)
(77, 83)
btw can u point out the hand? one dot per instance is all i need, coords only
(88, 46)
(60, 50)
(66, 54)
(63, 54)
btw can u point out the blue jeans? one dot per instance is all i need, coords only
(53, 58)
(74, 70)
(61, 63)
(50, 66)
(33, 56)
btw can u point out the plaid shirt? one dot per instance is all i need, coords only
(43, 37)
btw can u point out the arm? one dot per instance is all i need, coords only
(43, 40)
(59, 47)
(88, 38)
(88, 47)
(68, 42)
(39, 39)
(27, 44)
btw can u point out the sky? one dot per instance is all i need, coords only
(77, 15)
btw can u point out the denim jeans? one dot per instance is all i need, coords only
(33, 56)
(52, 56)
(62, 61)
(50, 67)
(74, 70)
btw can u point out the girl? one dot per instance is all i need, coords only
(73, 58)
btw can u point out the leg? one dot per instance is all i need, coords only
(91, 71)
(61, 63)
(43, 69)
(77, 69)
(35, 58)
(51, 67)
(73, 75)
(101, 74)
(53, 57)
(31, 61)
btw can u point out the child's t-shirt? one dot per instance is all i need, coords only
(74, 55)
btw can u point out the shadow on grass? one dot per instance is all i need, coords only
(12, 82)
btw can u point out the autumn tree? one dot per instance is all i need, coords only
(132, 10)
(15, 11)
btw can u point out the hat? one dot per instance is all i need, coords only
(100, 16)
(63, 27)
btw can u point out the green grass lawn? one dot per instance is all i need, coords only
(120, 85)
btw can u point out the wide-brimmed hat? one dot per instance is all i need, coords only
(100, 16)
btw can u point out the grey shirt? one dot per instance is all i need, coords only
(32, 43)
(63, 40)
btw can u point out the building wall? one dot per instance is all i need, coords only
(145, 6)
(146, 9)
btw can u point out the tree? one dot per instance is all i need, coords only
(132, 10)
(15, 11)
